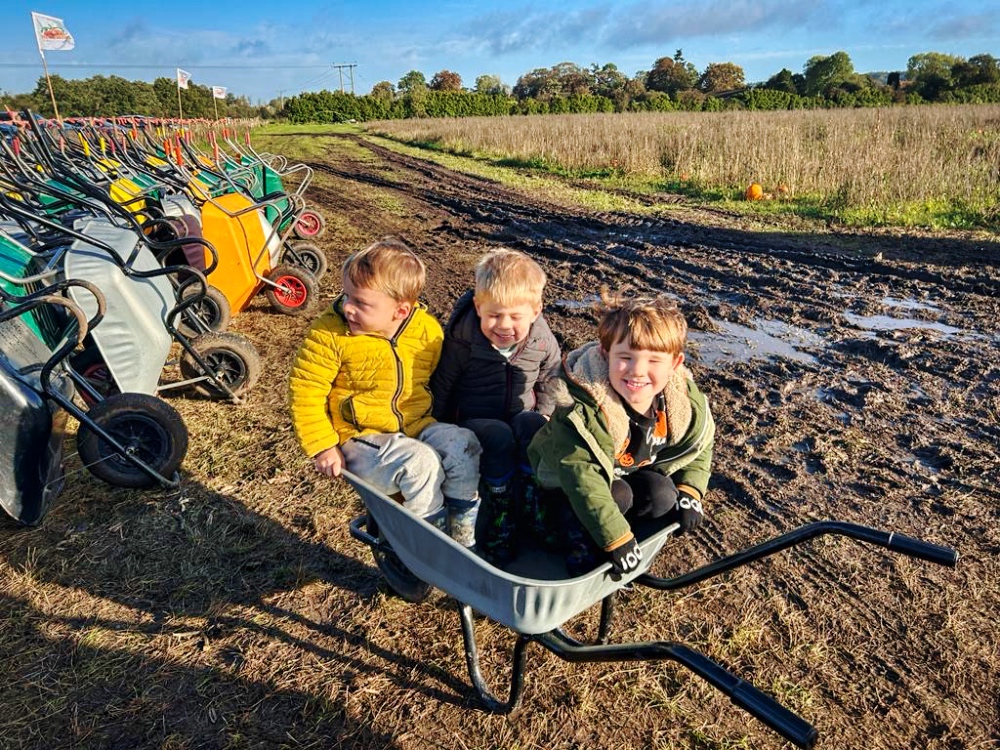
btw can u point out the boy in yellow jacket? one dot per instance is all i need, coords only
(360, 396)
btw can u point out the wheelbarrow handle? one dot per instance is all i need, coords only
(761, 706)
(887, 539)
(934, 553)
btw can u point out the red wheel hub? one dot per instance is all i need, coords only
(308, 224)
(291, 292)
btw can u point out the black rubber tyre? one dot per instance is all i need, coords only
(148, 428)
(406, 585)
(308, 256)
(310, 225)
(213, 310)
(90, 364)
(296, 293)
(231, 359)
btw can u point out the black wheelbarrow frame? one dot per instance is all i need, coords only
(47, 377)
(413, 555)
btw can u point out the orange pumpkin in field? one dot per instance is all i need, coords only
(754, 192)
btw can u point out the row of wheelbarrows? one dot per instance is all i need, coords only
(117, 240)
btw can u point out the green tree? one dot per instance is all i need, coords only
(634, 88)
(21, 102)
(383, 90)
(411, 81)
(540, 83)
(610, 83)
(930, 74)
(491, 86)
(978, 70)
(784, 81)
(573, 80)
(446, 80)
(721, 77)
(823, 74)
(415, 101)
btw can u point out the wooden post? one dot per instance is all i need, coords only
(48, 80)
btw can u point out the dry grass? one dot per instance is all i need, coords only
(880, 161)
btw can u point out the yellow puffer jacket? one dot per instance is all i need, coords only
(344, 385)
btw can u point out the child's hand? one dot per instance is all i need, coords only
(689, 512)
(329, 462)
(626, 556)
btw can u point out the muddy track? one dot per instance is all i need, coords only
(630, 238)
(883, 410)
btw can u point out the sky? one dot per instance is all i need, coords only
(273, 49)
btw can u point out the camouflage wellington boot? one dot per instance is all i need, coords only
(462, 519)
(499, 528)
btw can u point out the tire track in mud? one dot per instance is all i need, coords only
(564, 236)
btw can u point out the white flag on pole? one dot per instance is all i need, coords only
(219, 92)
(182, 78)
(51, 33)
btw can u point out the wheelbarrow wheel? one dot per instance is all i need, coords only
(231, 359)
(213, 310)
(406, 585)
(90, 365)
(308, 256)
(310, 225)
(148, 428)
(296, 290)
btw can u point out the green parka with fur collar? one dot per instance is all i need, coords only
(575, 451)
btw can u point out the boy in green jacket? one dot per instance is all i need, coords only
(631, 439)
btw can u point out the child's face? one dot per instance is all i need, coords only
(506, 325)
(638, 375)
(373, 311)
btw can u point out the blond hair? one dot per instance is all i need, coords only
(652, 323)
(388, 266)
(509, 277)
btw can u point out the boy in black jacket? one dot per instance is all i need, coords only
(498, 366)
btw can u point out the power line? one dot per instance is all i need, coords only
(340, 68)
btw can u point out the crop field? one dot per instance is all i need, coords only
(903, 165)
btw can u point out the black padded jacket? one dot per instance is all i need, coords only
(475, 381)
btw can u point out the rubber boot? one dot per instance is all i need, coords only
(499, 527)
(535, 513)
(581, 552)
(438, 519)
(462, 519)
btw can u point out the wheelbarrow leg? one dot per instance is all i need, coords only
(607, 616)
(490, 702)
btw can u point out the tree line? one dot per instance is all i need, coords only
(672, 83)
(110, 96)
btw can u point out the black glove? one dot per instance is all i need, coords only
(689, 514)
(626, 557)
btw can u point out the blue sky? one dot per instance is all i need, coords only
(270, 49)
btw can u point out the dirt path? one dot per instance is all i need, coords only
(852, 377)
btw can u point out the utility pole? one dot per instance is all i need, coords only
(340, 69)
